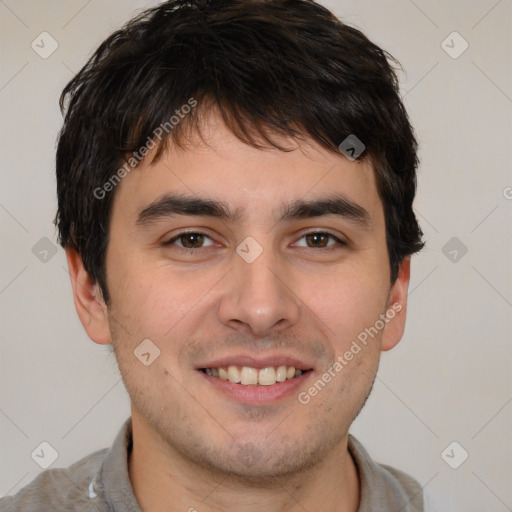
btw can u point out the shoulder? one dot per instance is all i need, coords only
(403, 487)
(384, 487)
(72, 488)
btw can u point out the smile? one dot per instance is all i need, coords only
(249, 376)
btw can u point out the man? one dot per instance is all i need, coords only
(235, 184)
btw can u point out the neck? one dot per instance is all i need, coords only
(163, 480)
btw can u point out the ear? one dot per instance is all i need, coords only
(89, 303)
(397, 307)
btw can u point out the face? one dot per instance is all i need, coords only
(242, 263)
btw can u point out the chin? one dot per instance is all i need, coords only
(261, 463)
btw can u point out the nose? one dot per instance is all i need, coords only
(259, 298)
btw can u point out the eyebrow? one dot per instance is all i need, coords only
(173, 205)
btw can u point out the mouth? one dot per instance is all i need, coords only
(256, 379)
(252, 376)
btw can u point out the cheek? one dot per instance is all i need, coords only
(137, 296)
(348, 305)
(155, 300)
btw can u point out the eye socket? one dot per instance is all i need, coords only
(321, 237)
(195, 239)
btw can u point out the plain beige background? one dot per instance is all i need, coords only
(449, 380)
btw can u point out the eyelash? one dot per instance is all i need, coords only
(183, 233)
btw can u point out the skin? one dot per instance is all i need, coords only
(298, 298)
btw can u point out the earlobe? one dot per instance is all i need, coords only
(88, 298)
(397, 307)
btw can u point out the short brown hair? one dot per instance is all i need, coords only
(270, 66)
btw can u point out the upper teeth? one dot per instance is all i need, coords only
(247, 375)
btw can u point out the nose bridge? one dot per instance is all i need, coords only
(259, 296)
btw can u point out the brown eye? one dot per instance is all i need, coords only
(189, 240)
(319, 240)
(192, 240)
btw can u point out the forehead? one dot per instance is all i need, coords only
(247, 180)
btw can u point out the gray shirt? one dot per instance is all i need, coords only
(100, 483)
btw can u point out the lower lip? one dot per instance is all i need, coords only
(257, 395)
